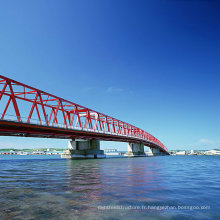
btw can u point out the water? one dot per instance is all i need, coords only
(47, 187)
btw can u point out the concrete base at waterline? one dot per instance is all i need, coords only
(135, 150)
(135, 154)
(83, 154)
(155, 152)
(83, 149)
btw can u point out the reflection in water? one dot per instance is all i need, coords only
(84, 179)
(123, 180)
(65, 189)
(112, 182)
(128, 181)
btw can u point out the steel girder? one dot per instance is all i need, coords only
(32, 106)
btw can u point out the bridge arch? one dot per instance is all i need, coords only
(27, 111)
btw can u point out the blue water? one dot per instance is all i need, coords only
(169, 187)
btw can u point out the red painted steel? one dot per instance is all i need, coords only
(33, 106)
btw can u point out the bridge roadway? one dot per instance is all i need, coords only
(18, 129)
(74, 122)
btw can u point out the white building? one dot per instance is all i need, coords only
(212, 152)
(192, 152)
(181, 153)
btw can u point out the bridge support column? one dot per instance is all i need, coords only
(135, 150)
(83, 149)
(155, 152)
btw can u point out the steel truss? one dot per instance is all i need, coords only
(52, 111)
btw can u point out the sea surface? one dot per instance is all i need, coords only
(163, 187)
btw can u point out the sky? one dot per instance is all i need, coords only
(152, 63)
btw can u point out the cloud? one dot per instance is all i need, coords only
(113, 89)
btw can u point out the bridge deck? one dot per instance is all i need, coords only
(27, 111)
(18, 129)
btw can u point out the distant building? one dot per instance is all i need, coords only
(192, 152)
(212, 152)
(38, 152)
(110, 150)
(181, 153)
(22, 153)
(12, 152)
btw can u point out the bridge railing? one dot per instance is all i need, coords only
(44, 123)
(25, 104)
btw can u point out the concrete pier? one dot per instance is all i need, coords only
(135, 150)
(83, 149)
(155, 152)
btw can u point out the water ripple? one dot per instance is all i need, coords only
(63, 189)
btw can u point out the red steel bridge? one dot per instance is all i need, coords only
(29, 112)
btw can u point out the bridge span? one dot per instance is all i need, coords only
(29, 112)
